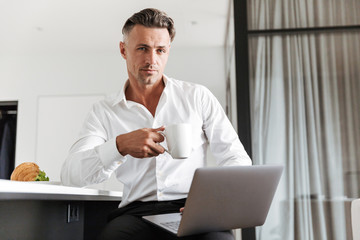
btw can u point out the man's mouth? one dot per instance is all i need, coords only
(148, 70)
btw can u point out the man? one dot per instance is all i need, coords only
(123, 134)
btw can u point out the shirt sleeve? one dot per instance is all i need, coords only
(93, 157)
(223, 140)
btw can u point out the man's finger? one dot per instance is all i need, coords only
(160, 129)
(158, 137)
(156, 147)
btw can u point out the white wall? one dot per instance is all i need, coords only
(31, 79)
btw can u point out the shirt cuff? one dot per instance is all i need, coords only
(109, 154)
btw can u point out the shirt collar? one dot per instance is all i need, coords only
(121, 95)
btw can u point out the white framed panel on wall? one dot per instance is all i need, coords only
(59, 120)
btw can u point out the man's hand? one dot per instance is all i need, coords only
(141, 143)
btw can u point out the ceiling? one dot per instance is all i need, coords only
(88, 26)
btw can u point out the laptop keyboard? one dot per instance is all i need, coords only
(172, 225)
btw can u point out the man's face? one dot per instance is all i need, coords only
(146, 51)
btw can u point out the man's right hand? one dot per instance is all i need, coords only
(141, 143)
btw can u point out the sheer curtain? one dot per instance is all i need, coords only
(305, 101)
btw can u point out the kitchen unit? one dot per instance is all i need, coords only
(46, 210)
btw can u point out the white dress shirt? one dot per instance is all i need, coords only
(94, 156)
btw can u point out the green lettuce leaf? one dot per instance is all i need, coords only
(41, 177)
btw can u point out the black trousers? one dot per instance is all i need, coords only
(126, 223)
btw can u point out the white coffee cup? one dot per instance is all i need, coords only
(178, 140)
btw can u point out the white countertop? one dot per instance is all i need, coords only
(52, 191)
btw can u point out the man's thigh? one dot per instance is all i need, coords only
(225, 235)
(128, 227)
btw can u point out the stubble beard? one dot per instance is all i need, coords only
(148, 79)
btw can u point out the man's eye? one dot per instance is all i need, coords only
(161, 50)
(142, 49)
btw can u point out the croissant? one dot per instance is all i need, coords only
(27, 171)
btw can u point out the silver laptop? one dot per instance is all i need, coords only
(224, 198)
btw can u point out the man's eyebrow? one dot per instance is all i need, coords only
(142, 45)
(145, 45)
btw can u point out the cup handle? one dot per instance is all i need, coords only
(163, 134)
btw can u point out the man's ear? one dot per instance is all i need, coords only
(122, 49)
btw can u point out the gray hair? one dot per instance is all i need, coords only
(152, 18)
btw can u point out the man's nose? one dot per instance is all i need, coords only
(151, 58)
